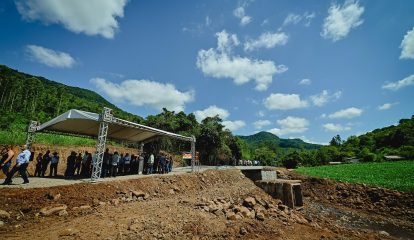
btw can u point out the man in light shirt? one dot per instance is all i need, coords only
(22, 161)
(150, 163)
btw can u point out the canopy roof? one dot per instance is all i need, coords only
(87, 123)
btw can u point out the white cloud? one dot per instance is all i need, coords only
(234, 125)
(324, 97)
(305, 82)
(261, 113)
(407, 45)
(341, 20)
(296, 18)
(280, 101)
(261, 123)
(240, 13)
(211, 111)
(266, 40)
(347, 113)
(331, 127)
(50, 57)
(145, 93)
(220, 63)
(394, 86)
(91, 17)
(290, 125)
(386, 106)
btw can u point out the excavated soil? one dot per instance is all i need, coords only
(208, 205)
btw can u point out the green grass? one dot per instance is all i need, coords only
(394, 175)
(19, 137)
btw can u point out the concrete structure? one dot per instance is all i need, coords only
(289, 191)
(256, 173)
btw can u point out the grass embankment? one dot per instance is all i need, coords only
(394, 175)
(19, 137)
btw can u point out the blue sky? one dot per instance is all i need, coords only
(307, 69)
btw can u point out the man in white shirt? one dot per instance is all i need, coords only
(22, 161)
(150, 163)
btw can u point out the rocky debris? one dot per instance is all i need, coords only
(383, 234)
(129, 196)
(4, 214)
(63, 213)
(53, 196)
(50, 210)
(243, 231)
(115, 202)
(68, 232)
(85, 207)
(1, 223)
(250, 208)
(249, 202)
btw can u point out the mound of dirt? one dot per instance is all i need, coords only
(208, 205)
(386, 202)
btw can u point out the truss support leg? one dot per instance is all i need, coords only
(105, 118)
(193, 154)
(31, 131)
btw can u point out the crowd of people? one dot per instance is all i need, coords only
(248, 162)
(79, 165)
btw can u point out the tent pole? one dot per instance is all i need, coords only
(31, 131)
(105, 118)
(193, 159)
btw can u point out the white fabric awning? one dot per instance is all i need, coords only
(87, 123)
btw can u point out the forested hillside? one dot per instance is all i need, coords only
(24, 97)
(266, 137)
(372, 146)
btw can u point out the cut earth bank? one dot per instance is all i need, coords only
(209, 205)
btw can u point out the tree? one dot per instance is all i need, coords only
(292, 160)
(336, 141)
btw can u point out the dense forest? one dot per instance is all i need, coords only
(25, 97)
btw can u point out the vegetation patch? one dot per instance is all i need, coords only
(395, 175)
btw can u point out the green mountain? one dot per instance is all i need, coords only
(392, 140)
(261, 138)
(25, 97)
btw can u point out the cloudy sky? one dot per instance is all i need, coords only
(307, 69)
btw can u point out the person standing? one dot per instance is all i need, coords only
(121, 164)
(45, 162)
(170, 166)
(151, 163)
(84, 160)
(6, 159)
(115, 161)
(54, 164)
(70, 165)
(161, 164)
(106, 163)
(22, 161)
(38, 170)
(78, 163)
(127, 163)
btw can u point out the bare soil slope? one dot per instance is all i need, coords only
(209, 205)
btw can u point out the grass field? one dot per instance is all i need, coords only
(19, 137)
(395, 175)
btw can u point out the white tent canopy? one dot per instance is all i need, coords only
(87, 123)
(103, 126)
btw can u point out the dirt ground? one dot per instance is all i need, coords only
(216, 204)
